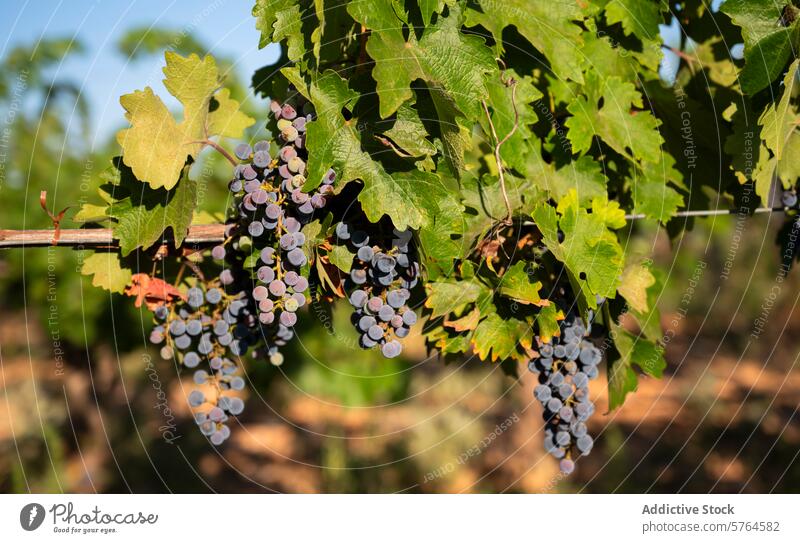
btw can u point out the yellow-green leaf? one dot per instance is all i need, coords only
(106, 271)
(518, 284)
(636, 279)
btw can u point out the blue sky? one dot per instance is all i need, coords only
(226, 26)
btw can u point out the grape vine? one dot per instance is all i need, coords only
(453, 168)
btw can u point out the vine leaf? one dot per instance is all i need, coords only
(582, 175)
(637, 17)
(151, 291)
(443, 57)
(547, 24)
(467, 322)
(156, 147)
(144, 214)
(635, 281)
(780, 120)
(106, 271)
(408, 198)
(655, 199)
(605, 112)
(288, 25)
(516, 284)
(497, 338)
(443, 242)
(768, 41)
(266, 14)
(608, 211)
(226, 118)
(451, 296)
(452, 64)
(341, 257)
(409, 134)
(91, 213)
(649, 320)
(633, 351)
(484, 200)
(516, 150)
(547, 322)
(590, 251)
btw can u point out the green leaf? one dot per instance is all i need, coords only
(156, 147)
(443, 57)
(408, 198)
(789, 166)
(635, 281)
(484, 199)
(768, 44)
(443, 241)
(335, 142)
(547, 24)
(655, 199)
(266, 15)
(606, 112)
(780, 121)
(107, 271)
(590, 251)
(649, 321)
(547, 322)
(517, 283)
(584, 176)
(288, 26)
(633, 351)
(409, 134)
(451, 296)
(456, 138)
(145, 215)
(341, 257)
(226, 118)
(609, 211)
(516, 149)
(315, 235)
(91, 213)
(497, 338)
(428, 7)
(636, 16)
(763, 173)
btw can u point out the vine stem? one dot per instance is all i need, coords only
(219, 148)
(510, 82)
(198, 235)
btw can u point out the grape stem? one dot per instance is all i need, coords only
(195, 268)
(219, 148)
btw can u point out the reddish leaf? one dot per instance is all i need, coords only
(151, 290)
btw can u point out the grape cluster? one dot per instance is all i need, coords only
(203, 331)
(565, 366)
(272, 209)
(379, 288)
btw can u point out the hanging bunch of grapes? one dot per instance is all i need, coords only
(565, 366)
(207, 332)
(379, 287)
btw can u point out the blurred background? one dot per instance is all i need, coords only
(82, 397)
